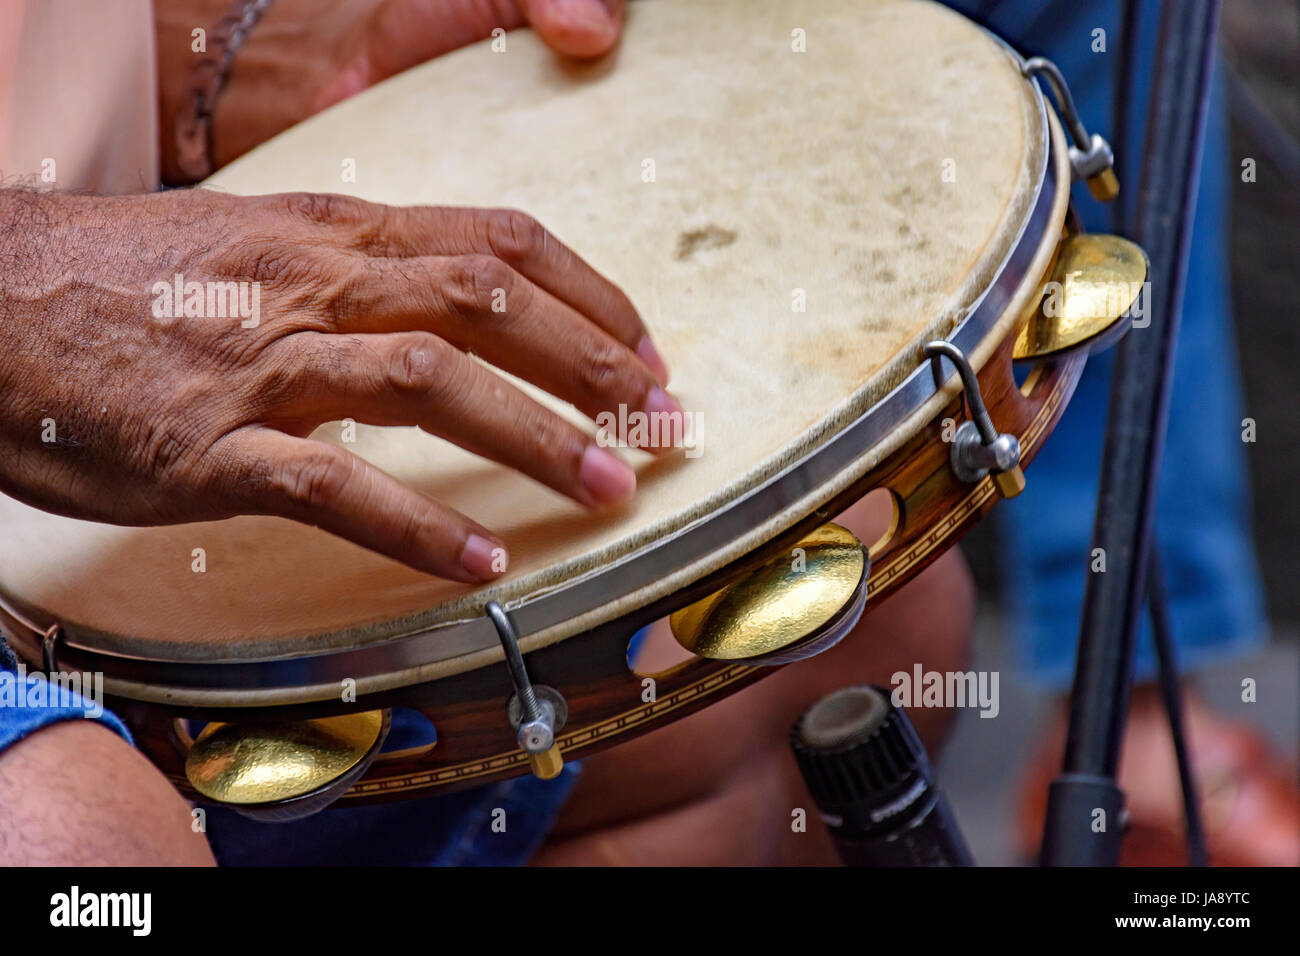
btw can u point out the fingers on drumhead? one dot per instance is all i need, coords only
(513, 237)
(586, 28)
(524, 244)
(415, 378)
(521, 241)
(481, 305)
(324, 485)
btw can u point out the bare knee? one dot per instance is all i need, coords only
(759, 815)
(76, 794)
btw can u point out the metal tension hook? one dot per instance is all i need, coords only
(1090, 156)
(536, 712)
(50, 649)
(978, 448)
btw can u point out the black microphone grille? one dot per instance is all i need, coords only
(854, 746)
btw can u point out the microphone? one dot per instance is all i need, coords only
(870, 778)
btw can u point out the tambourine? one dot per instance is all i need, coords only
(843, 223)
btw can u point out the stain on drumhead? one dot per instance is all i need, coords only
(708, 237)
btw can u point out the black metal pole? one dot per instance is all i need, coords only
(1122, 108)
(1162, 635)
(1085, 807)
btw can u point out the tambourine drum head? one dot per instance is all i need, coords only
(795, 193)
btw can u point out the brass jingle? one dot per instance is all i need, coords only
(1093, 284)
(795, 605)
(284, 769)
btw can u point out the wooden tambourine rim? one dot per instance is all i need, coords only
(475, 744)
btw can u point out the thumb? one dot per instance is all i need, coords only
(401, 34)
(582, 28)
(404, 33)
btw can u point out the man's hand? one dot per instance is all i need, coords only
(304, 55)
(116, 409)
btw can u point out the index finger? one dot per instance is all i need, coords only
(518, 240)
(320, 484)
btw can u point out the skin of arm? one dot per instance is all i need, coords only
(303, 56)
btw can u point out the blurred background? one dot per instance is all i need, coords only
(1259, 53)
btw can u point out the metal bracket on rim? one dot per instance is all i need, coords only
(536, 713)
(50, 648)
(978, 448)
(1091, 156)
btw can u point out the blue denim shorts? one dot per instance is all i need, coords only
(29, 703)
(502, 824)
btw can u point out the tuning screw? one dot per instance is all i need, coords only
(1010, 482)
(1104, 185)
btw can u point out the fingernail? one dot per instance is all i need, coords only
(482, 558)
(668, 420)
(581, 28)
(648, 354)
(589, 15)
(605, 478)
(659, 402)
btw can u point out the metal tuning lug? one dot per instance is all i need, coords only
(50, 649)
(978, 449)
(1091, 156)
(538, 712)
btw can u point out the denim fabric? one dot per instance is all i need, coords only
(499, 825)
(26, 706)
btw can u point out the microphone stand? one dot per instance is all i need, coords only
(1075, 833)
